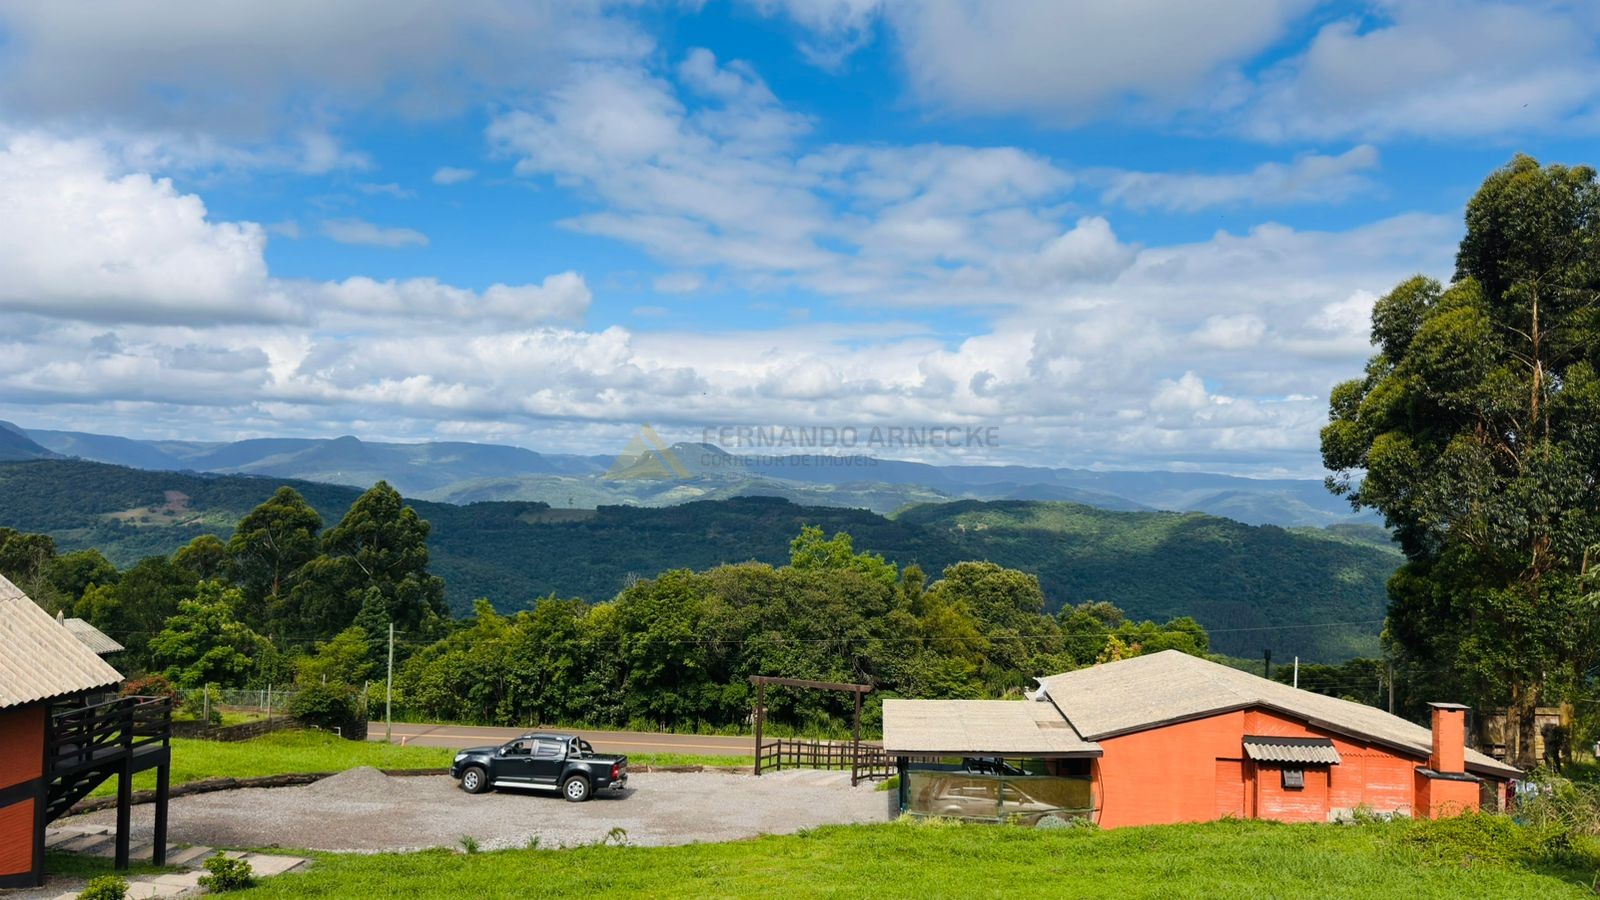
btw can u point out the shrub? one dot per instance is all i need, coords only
(227, 875)
(1478, 837)
(195, 706)
(324, 705)
(149, 686)
(105, 887)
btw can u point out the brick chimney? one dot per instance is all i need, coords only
(1449, 738)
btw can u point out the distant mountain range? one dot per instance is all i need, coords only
(456, 472)
(1314, 592)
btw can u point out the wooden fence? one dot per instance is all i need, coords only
(813, 753)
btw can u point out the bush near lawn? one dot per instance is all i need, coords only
(291, 752)
(903, 859)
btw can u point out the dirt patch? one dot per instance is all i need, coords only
(364, 810)
(175, 511)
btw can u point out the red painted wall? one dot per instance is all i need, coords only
(1195, 771)
(21, 760)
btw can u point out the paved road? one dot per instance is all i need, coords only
(606, 741)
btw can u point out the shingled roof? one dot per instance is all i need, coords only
(39, 658)
(980, 727)
(1161, 688)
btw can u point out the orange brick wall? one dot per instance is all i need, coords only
(1193, 772)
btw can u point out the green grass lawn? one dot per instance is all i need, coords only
(282, 753)
(1220, 859)
(287, 752)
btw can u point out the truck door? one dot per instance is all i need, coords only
(549, 756)
(514, 764)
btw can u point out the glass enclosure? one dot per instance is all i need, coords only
(993, 789)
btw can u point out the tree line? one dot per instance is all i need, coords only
(287, 601)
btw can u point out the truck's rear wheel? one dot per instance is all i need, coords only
(474, 780)
(575, 789)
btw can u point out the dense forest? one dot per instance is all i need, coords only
(286, 601)
(1310, 592)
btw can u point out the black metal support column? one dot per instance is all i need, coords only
(158, 854)
(124, 811)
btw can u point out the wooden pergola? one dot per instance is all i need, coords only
(761, 682)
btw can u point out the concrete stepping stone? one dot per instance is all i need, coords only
(87, 843)
(144, 890)
(188, 856)
(180, 879)
(267, 865)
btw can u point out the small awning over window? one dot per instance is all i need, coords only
(1291, 751)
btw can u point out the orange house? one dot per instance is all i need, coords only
(57, 744)
(1171, 738)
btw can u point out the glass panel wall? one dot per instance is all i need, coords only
(994, 789)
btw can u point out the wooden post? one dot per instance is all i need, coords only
(761, 713)
(855, 748)
(388, 693)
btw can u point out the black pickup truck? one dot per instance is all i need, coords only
(562, 761)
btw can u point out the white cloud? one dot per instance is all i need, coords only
(84, 240)
(679, 283)
(1437, 68)
(840, 27)
(1214, 354)
(389, 189)
(719, 179)
(1311, 178)
(239, 66)
(560, 298)
(1064, 61)
(448, 175)
(78, 240)
(363, 233)
(1230, 332)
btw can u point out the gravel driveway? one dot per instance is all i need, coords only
(365, 810)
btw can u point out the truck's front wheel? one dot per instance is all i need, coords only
(474, 780)
(575, 789)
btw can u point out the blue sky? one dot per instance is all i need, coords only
(1129, 235)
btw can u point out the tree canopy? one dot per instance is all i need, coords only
(1476, 433)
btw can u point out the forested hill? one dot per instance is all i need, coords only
(1303, 591)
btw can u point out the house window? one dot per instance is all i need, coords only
(1294, 778)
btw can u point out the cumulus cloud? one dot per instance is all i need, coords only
(363, 233)
(1063, 61)
(718, 176)
(448, 175)
(84, 240)
(1394, 68)
(241, 68)
(1216, 353)
(1436, 68)
(80, 240)
(1310, 178)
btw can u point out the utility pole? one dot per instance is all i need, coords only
(388, 692)
(1389, 667)
(1266, 664)
(1297, 671)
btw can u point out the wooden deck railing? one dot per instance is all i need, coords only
(82, 736)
